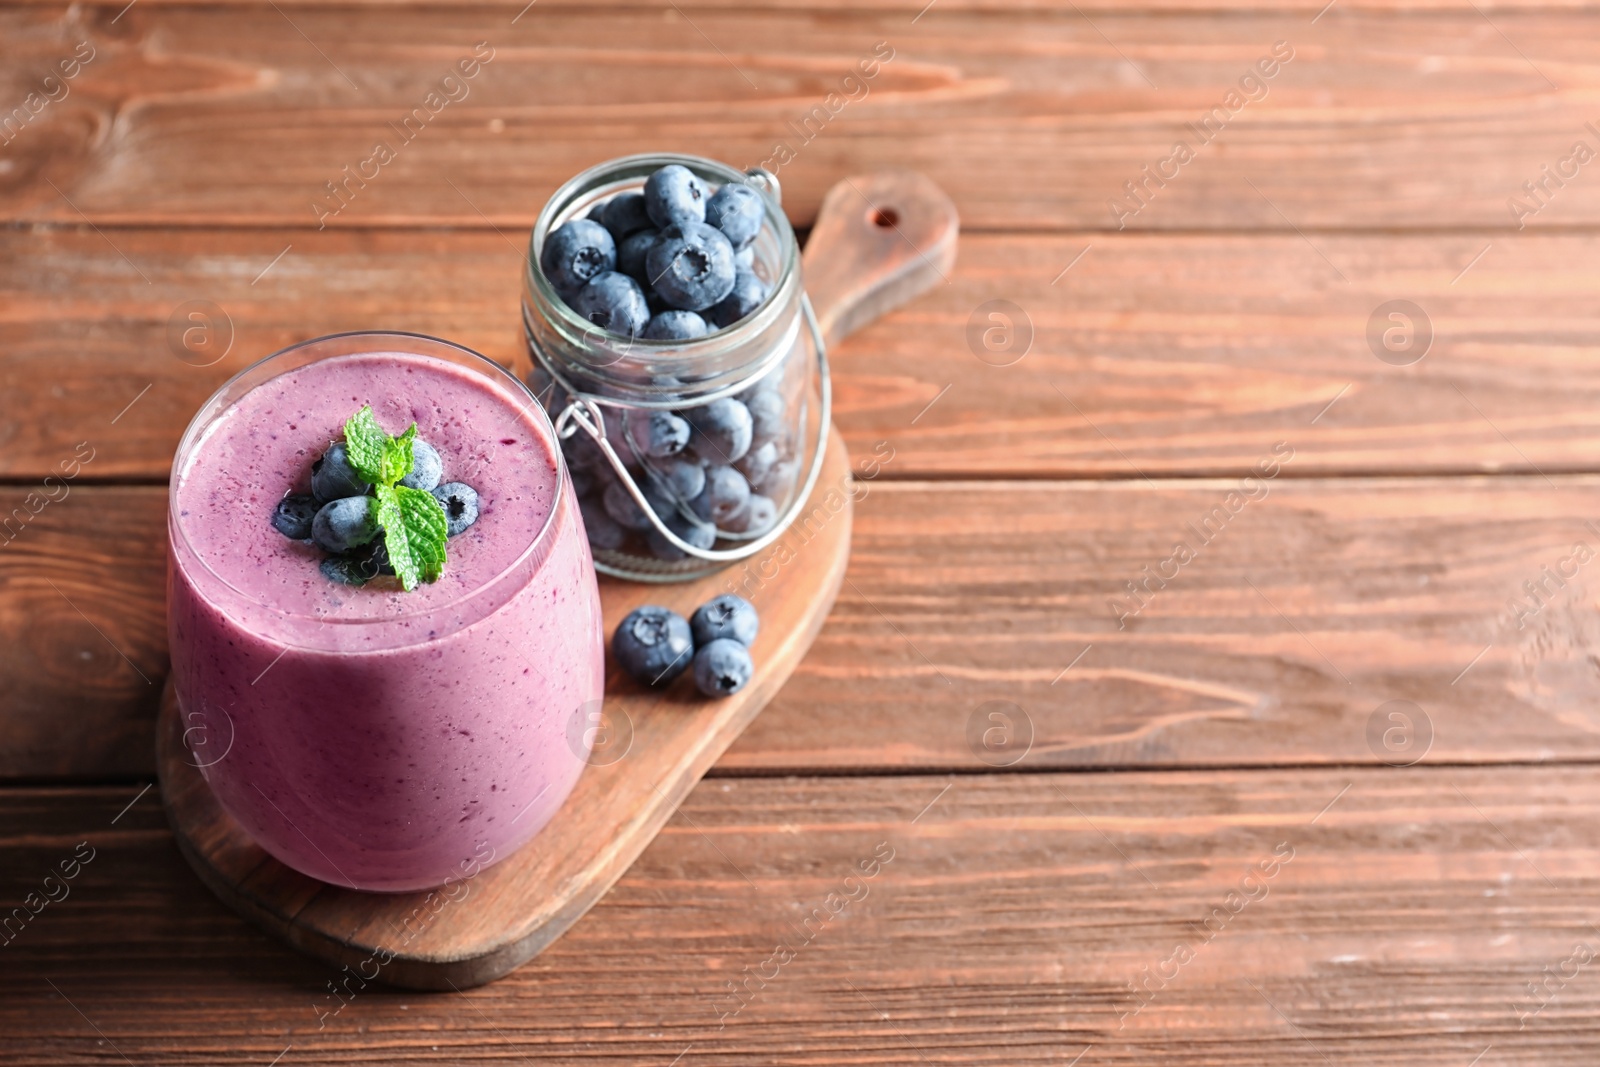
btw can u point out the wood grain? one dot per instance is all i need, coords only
(1407, 913)
(1365, 591)
(1029, 118)
(1154, 354)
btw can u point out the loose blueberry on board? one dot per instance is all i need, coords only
(746, 295)
(725, 493)
(673, 196)
(631, 255)
(736, 210)
(614, 302)
(757, 463)
(682, 477)
(658, 433)
(698, 534)
(602, 530)
(722, 668)
(625, 215)
(755, 518)
(722, 430)
(675, 325)
(343, 524)
(768, 417)
(292, 517)
(332, 476)
(728, 616)
(426, 466)
(576, 252)
(691, 266)
(653, 645)
(460, 503)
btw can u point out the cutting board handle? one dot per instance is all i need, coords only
(879, 240)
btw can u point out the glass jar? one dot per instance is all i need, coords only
(368, 736)
(680, 516)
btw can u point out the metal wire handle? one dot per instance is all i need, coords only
(584, 412)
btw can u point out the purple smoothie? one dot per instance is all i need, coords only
(371, 737)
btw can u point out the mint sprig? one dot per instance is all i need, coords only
(414, 525)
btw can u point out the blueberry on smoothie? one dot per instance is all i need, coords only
(691, 266)
(653, 645)
(722, 668)
(728, 616)
(675, 325)
(460, 503)
(737, 211)
(426, 466)
(614, 302)
(631, 254)
(292, 517)
(576, 252)
(333, 477)
(725, 493)
(698, 534)
(343, 524)
(673, 196)
(722, 430)
(746, 295)
(625, 215)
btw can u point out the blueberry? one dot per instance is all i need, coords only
(722, 429)
(682, 477)
(653, 645)
(691, 266)
(769, 417)
(737, 210)
(675, 325)
(626, 215)
(698, 534)
(757, 462)
(426, 466)
(460, 503)
(602, 531)
(622, 508)
(292, 517)
(722, 668)
(673, 196)
(727, 616)
(583, 480)
(343, 524)
(598, 212)
(632, 251)
(658, 433)
(755, 518)
(725, 493)
(780, 479)
(745, 258)
(576, 252)
(332, 476)
(581, 452)
(358, 566)
(747, 294)
(614, 302)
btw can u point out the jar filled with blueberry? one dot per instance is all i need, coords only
(670, 340)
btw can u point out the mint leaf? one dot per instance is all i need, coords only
(426, 530)
(414, 524)
(398, 459)
(366, 444)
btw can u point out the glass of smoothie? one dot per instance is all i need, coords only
(367, 735)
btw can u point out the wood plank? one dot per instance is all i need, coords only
(1029, 119)
(1405, 915)
(1280, 642)
(1155, 354)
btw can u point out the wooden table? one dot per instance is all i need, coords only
(1198, 835)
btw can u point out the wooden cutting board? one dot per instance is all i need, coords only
(878, 240)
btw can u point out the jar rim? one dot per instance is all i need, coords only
(220, 401)
(666, 355)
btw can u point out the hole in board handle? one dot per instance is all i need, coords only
(884, 217)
